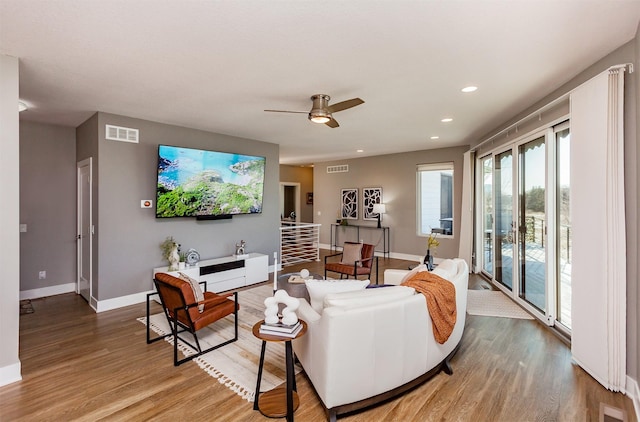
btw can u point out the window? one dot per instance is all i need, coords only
(435, 198)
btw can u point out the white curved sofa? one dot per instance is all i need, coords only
(373, 344)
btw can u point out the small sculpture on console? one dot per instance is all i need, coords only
(170, 252)
(240, 248)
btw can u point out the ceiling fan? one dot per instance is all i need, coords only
(321, 111)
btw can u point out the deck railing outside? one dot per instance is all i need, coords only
(299, 242)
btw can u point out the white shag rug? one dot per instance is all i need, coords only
(493, 303)
(236, 364)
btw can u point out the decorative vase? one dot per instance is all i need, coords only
(428, 260)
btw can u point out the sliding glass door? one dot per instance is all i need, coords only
(524, 223)
(532, 222)
(504, 224)
(563, 226)
(487, 215)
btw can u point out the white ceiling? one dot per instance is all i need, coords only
(216, 65)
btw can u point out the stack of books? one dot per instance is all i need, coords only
(280, 329)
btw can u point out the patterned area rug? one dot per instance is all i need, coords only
(493, 303)
(235, 365)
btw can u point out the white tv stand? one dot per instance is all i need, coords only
(227, 273)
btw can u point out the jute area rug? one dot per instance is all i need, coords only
(235, 365)
(493, 303)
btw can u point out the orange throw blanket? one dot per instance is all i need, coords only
(441, 302)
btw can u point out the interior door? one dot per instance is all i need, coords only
(84, 230)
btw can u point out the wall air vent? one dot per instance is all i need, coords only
(344, 168)
(122, 134)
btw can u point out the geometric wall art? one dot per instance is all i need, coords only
(349, 204)
(370, 196)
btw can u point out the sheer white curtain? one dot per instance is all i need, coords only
(598, 276)
(466, 219)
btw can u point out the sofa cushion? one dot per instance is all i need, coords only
(367, 297)
(352, 253)
(318, 289)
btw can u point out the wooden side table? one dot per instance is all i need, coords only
(279, 402)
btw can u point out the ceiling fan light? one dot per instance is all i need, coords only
(319, 119)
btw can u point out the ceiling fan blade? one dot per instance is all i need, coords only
(345, 105)
(333, 123)
(287, 111)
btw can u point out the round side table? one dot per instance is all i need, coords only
(279, 402)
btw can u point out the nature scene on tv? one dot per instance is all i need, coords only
(194, 182)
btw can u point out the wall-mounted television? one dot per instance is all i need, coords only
(208, 184)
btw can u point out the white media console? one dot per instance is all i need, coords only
(227, 273)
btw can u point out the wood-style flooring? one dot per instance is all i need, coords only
(81, 366)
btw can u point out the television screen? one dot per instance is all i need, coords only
(198, 183)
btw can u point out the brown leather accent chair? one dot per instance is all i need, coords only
(181, 309)
(361, 267)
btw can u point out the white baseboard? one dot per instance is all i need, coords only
(10, 374)
(119, 302)
(633, 392)
(48, 291)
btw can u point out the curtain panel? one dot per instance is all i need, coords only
(465, 248)
(598, 274)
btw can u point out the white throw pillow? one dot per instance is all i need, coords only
(446, 269)
(416, 270)
(367, 296)
(318, 289)
(197, 290)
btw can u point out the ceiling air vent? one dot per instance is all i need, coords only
(344, 168)
(123, 134)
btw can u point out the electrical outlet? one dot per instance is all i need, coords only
(42, 275)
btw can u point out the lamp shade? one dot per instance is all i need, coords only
(379, 208)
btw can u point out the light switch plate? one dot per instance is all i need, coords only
(23, 228)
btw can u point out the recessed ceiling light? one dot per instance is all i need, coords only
(360, 150)
(447, 120)
(469, 88)
(435, 137)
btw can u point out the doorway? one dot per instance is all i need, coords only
(290, 201)
(84, 235)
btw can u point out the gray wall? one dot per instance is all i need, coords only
(304, 176)
(129, 237)
(47, 205)
(396, 175)
(628, 53)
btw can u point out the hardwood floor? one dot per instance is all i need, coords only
(81, 366)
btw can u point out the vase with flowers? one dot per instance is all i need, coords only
(432, 243)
